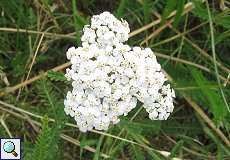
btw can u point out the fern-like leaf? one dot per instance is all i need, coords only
(57, 76)
(47, 144)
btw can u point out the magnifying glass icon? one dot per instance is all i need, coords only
(9, 147)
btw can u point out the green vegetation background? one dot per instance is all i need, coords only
(192, 45)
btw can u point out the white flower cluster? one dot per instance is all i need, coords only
(109, 77)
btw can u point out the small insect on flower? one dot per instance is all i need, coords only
(109, 77)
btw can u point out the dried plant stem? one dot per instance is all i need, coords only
(178, 35)
(202, 52)
(195, 87)
(48, 34)
(16, 87)
(5, 126)
(187, 8)
(156, 32)
(35, 55)
(207, 120)
(189, 63)
(77, 143)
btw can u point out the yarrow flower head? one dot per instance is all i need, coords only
(109, 77)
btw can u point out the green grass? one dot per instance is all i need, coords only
(193, 50)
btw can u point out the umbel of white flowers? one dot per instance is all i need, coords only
(109, 77)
